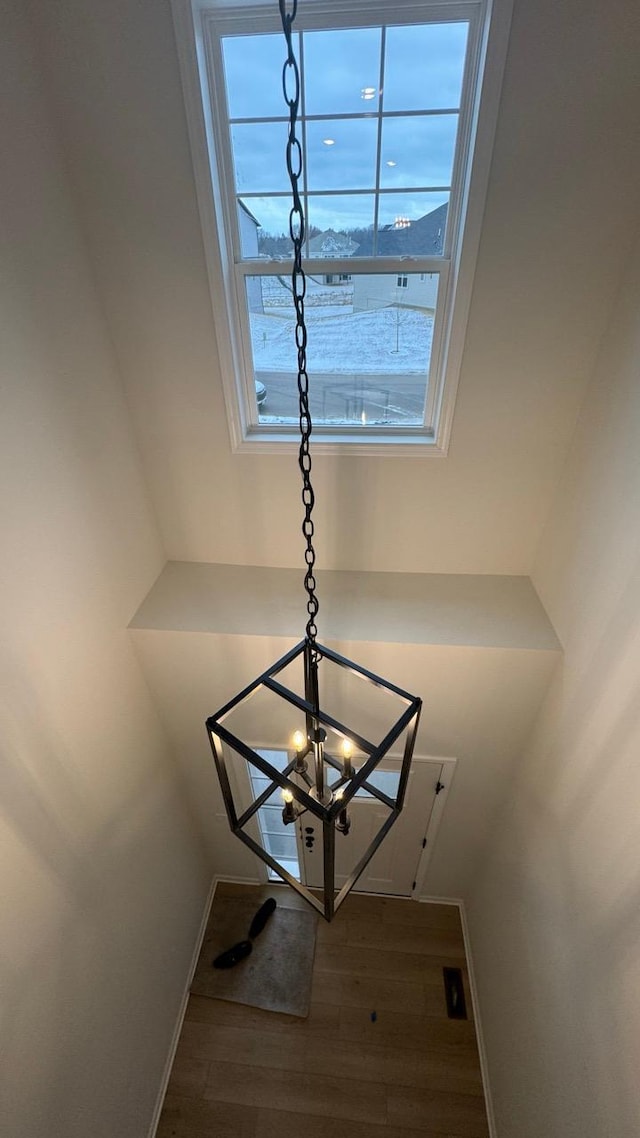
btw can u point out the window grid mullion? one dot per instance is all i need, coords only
(340, 193)
(434, 112)
(319, 266)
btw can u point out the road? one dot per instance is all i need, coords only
(383, 398)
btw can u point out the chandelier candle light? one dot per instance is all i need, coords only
(329, 762)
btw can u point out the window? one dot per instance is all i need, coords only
(388, 124)
(277, 839)
(386, 781)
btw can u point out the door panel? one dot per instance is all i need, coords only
(393, 867)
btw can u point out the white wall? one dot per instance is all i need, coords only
(563, 185)
(555, 918)
(101, 867)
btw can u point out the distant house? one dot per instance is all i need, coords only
(332, 244)
(249, 226)
(411, 290)
(423, 237)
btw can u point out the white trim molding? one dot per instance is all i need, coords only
(484, 1065)
(448, 770)
(175, 1038)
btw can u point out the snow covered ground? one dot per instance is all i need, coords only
(387, 341)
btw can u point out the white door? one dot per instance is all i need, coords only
(393, 868)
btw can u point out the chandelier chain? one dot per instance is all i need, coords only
(297, 230)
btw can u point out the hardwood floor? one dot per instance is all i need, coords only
(409, 1073)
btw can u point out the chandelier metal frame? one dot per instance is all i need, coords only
(341, 791)
(303, 791)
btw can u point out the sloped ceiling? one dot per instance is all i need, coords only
(561, 195)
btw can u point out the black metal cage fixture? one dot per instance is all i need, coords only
(330, 761)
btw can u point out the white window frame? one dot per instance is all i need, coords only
(489, 22)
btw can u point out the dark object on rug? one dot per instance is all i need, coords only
(261, 917)
(277, 974)
(233, 956)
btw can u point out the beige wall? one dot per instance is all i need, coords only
(555, 918)
(563, 185)
(102, 878)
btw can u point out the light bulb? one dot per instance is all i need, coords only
(287, 796)
(347, 768)
(339, 794)
(298, 740)
(329, 141)
(368, 93)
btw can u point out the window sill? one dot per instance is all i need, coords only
(265, 440)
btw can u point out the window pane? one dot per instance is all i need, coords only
(341, 154)
(281, 845)
(272, 816)
(411, 224)
(352, 213)
(264, 226)
(278, 759)
(369, 346)
(386, 781)
(418, 151)
(277, 839)
(259, 157)
(341, 71)
(253, 72)
(424, 66)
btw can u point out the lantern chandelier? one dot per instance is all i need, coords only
(329, 760)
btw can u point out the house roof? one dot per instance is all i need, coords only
(332, 244)
(424, 237)
(248, 212)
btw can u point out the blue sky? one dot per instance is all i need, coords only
(422, 71)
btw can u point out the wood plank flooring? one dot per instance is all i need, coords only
(240, 1072)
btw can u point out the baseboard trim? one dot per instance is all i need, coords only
(484, 1065)
(166, 1074)
(233, 879)
(441, 901)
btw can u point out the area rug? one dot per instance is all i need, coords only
(277, 974)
